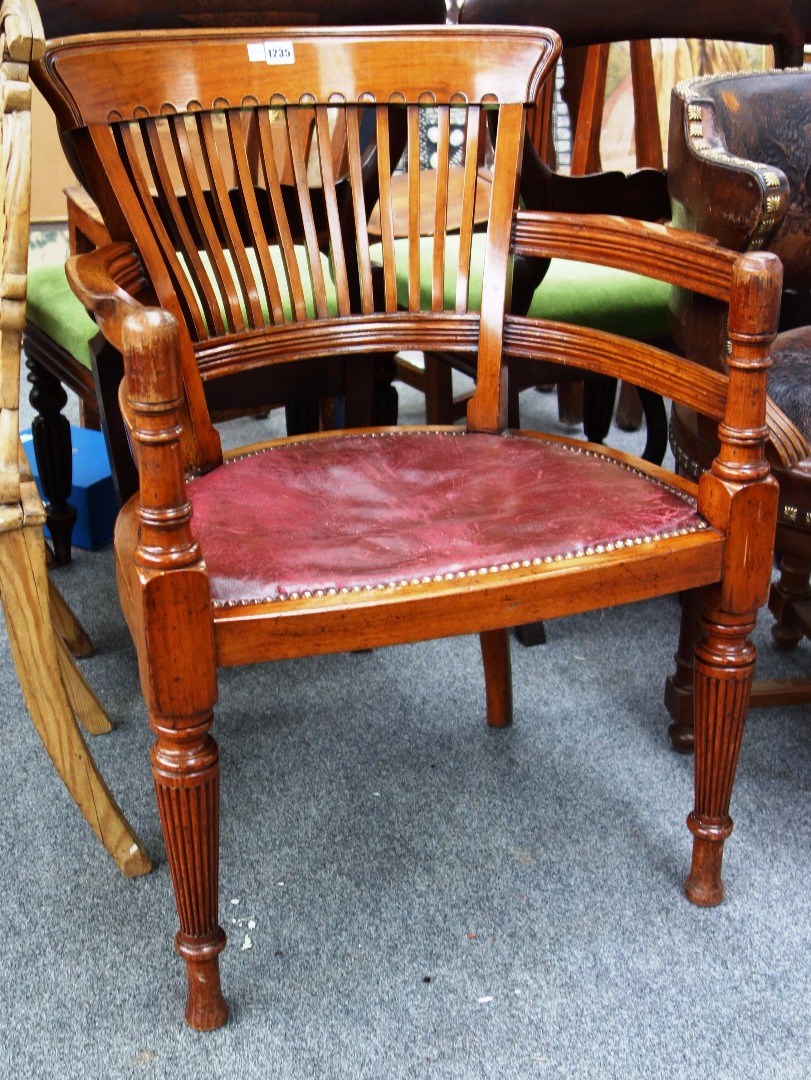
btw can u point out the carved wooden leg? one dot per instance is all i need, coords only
(725, 662)
(52, 446)
(679, 698)
(186, 770)
(791, 589)
(495, 645)
(176, 658)
(33, 646)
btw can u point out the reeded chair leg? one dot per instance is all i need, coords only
(725, 662)
(186, 771)
(495, 645)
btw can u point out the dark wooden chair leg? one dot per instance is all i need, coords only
(656, 426)
(302, 417)
(725, 663)
(679, 696)
(598, 407)
(52, 446)
(792, 589)
(495, 645)
(385, 400)
(530, 634)
(629, 408)
(438, 390)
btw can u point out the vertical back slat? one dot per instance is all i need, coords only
(413, 207)
(228, 223)
(473, 140)
(207, 231)
(540, 126)
(267, 155)
(487, 410)
(647, 135)
(441, 208)
(244, 145)
(182, 237)
(359, 208)
(298, 160)
(586, 142)
(186, 293)
(386, 216)
(325, 157)
(200, 440)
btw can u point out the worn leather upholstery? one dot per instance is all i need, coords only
(423, 506)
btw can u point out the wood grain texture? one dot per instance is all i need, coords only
(54, 690)
(182, 637)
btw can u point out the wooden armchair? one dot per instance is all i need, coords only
(61, 343)
(41, 628)
(740, 157)
(349, 540)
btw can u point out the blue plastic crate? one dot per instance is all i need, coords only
(92, 493)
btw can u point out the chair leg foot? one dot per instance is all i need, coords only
(704, 886)
(531, 634)
(206, 1008)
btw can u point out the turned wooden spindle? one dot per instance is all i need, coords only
(742, 499)
(178, 673)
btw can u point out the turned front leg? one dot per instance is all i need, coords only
(186, 771)
(724, 665)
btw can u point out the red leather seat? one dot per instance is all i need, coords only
(424, 506)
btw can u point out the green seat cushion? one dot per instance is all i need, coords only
(581, 293)
(52, 307)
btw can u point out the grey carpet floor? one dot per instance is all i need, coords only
(426, 897)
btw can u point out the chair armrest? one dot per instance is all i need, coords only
(659, 251)
(641, 194)
(749, 283)
(109, 282)
(713, 191)
(86, 229)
